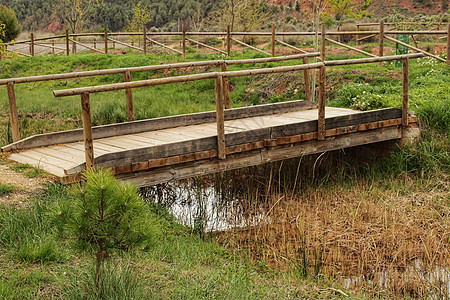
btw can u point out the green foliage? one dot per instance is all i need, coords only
(140, 17)
(12, 28)
(106, 215)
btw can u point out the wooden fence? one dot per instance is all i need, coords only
(10, 82)
(85, 92)
(229, 38)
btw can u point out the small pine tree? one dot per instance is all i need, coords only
(104, 215)
(11, 27)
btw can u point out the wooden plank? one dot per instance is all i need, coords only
(53, 156)
(200, 168)
(44, 165)
(104, 131)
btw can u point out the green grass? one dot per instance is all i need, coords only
(6, 189)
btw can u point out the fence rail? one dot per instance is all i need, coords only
(228, 38)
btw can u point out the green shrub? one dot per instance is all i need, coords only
(5, 189)
(9, 19)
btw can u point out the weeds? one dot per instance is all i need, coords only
(6, 189)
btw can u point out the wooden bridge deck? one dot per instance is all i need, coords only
(158, 150)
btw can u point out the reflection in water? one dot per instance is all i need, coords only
(202, 207)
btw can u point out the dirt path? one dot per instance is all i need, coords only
(24, 187)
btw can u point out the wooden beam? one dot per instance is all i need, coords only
(322, 44)
(321, 110)
(351, 48)
(448, 44)
(32, 44)
(165, 46)
(144, 39)
(105, 37)
(125, 44)
(249, 46)
(405, 91)
(226, 86)
(86, 46)
(290, 46)
(273, 40)
(258, 157)
(206, 46)
(13, 115)
(67, 43)
(307, 83)
(228, 40)
(415, 48)
(87, 130)
(129, 96)
(381, 50)
(220, 118)
(184, 41)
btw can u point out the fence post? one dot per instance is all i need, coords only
(229, 40)
(32, 44)
(273, 40)
(226, 86)
(144, 38)
(106, 41)
(87, 130)
(129, 95)
(184, 42)
(53, 47)
(405, 91)
(381, 52)
(322, 51)
(448, 44)
(321, 108)
(357, 35)
(95, 42)
(307, 83)
(221, 150)
(67, 43)
(14, 117)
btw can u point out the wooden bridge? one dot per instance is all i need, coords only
(158, 150)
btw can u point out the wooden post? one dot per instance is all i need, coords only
(114, 45)
(357, 35)
(129, 95)
(144, 38)
(405, 92)
(32, 44)
(95, 42)
(229, 40)
(438, 28)
(53, 47)
(14, 117)
(87, 130)
(321, 108)
(221, 150)
(307, 83)
(74, 45)
(322, 51)
(184, 42)
(106, 41)
(448, 44)
(226, 86)
(381, 52)
(273, 40)
(67, 43)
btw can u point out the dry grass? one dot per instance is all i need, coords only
(371, 233)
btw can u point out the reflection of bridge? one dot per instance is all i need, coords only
(157, 150)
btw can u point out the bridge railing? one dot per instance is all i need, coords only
(10, 82)
(85, 92)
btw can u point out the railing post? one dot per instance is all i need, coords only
(95, 42)
(448, 44)
(106, 41)
(67, 43)
(14, 117)
(144, 38)
(87, 130)
(221, 149)
(32, 44)
(307, 83)
(322, 51)
(273, 40)
(321, 108)
(184, 42)
(405, 92)
(229, 40)
(129, 95)
(381, 52)
(226, 86)
(53, 47)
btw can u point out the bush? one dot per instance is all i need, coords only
(9, 19)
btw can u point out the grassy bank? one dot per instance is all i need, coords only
(326, 219)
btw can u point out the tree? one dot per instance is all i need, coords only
(75, 13)
(104, 215)
(245, 15)
(11, 27)
(141, 16)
